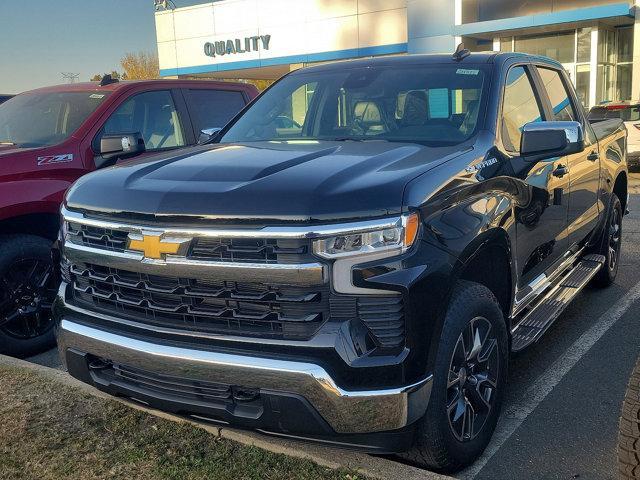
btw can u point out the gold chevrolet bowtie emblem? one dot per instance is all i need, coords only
(154, 246)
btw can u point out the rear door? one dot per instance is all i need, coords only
(213, 108)
(584, 167)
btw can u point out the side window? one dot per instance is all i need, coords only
(519, 107)
(560, 100)
(153, 114)
(214, 108)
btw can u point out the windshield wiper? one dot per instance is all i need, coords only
(357, 139)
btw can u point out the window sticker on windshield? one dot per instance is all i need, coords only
(467, 71)
(53, 159)
(96, 95)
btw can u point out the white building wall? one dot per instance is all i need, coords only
(297, 28)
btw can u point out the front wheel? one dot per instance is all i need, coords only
(469, 380)
(27, 289)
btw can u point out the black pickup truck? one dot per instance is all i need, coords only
(360, 274)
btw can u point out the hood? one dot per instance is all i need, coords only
(295, 181)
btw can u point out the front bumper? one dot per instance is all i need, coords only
(297, 399)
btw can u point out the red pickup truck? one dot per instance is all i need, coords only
(52, 136)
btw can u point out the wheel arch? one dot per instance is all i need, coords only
(620, 188)
(42, 224)
(488, 260)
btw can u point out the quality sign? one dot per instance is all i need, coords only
(237, 45)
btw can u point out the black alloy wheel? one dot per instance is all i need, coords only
(469, 378)
(614, 238)
(472, 384)
(28, 286)
(26, 296)
(611, 244)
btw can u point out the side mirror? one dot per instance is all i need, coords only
(119, 146)
(208, 134)
(542, 140)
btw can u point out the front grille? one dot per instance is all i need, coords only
(213, 249)
(244, 309)
(254, 250)
(168, 386)
(97, 237)
(201, 305)
(193, 389)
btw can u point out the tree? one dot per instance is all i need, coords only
(140, 66)
(97, 77)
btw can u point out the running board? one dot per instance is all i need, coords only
(537, 321)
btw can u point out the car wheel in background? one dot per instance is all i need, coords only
(629, 431)
(27, 290)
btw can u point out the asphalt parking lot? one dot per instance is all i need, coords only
(561, 413)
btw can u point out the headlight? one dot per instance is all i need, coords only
(393, 239)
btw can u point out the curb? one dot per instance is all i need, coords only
(368, 465)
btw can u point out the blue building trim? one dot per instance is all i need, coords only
(566, 16)
(306, 58)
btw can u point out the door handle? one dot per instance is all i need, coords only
(593, 156)
(560, 171)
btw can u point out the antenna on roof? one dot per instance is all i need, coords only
(461, 53)
(107, 79)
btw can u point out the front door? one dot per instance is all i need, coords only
(541, 228)
(583, 167)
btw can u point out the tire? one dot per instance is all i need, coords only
(440, 445)
(611, 244)
(26, 267)
(629, 430)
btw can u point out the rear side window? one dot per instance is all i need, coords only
(519, 107)
(556, 90)
(214, 108)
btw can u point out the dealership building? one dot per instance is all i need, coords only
(597, 41)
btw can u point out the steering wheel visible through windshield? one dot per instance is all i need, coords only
(433, 104)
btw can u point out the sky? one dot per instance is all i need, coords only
(39, 39)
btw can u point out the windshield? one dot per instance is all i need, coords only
(431, 105)
(42, 119)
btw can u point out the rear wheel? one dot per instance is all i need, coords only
(469, 379)
(27, 290)
(611, 244)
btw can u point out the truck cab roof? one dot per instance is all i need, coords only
(427, 59)
(127, 84)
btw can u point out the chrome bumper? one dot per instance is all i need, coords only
(345, 411)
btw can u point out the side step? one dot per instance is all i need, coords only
(537, 321)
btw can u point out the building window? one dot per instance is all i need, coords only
(559, 46)
(506, 44)
(584, 45)
(583, 83)
(624, 63)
